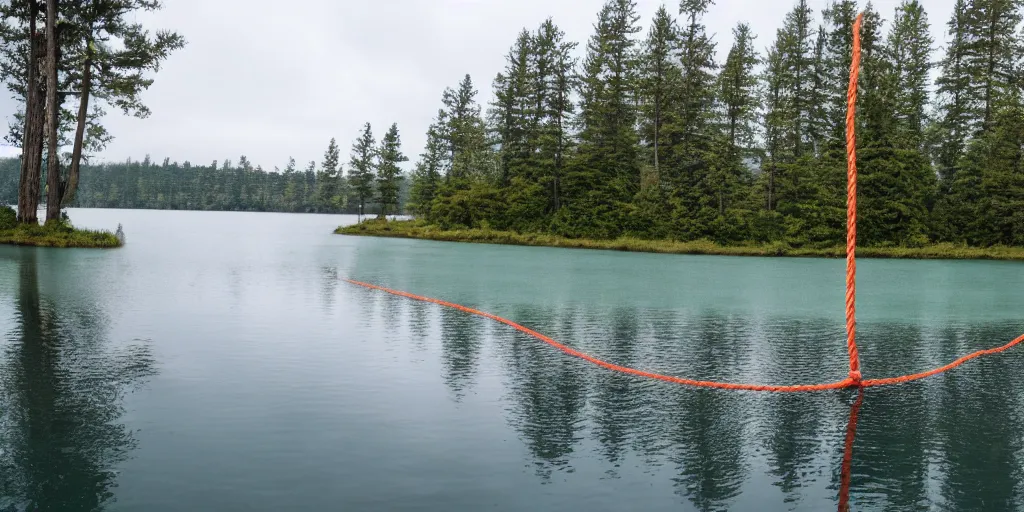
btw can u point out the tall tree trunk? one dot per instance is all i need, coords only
(28, 190)
(657, 134)
(83, 110)
(53, 181)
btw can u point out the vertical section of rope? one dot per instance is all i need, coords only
(851, 207)
(847, 468)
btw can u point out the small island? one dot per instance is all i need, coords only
(418, 229)
(58, 233)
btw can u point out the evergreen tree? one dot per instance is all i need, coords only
(427, 176)
(953, 84)
(389, 174)
(555, 138)
(876, 105)
(818, 129)
(985, 203)
(838, 54)
(512, 113)
(94, 51)
(993, 55)
(696, 93)
(736, 87)
(327, 186)
(907, 53)
(606, 169)
(777, 120)
(361, 167)
(465, 134)
(897, 184)
(660, 79)
(797, 53)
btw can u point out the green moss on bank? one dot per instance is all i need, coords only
(423, 231)
(59, 235)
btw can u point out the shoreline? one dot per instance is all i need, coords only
(63, 237)
(419, 231)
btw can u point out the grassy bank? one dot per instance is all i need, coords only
(420, 230)
(52, 235)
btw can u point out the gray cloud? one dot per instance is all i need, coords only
(271, 80)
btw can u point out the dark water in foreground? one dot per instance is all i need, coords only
(217, 362)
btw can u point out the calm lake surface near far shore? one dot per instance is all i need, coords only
(218, 361)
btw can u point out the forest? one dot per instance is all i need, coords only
(223, 186)
(650, 137)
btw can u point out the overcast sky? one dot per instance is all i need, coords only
(271, 80)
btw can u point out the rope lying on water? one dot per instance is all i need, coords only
(845, 383)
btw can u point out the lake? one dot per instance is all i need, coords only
(219, 362)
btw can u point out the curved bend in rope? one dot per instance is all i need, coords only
(845, 383)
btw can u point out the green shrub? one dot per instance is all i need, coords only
(8, 217)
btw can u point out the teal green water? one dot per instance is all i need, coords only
(218, 362)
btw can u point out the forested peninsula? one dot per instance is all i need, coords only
(651, 141)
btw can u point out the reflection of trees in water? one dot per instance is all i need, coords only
(979, 426)
(894, 446)
(60, 404)
(794, 424)
(618, 399)
(706, 429)
(959, 429)
(328, 286)
(547, 392)
(460, 349)
(950, 441)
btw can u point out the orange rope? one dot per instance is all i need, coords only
(847, 467)
(845, 383)
(614, 367)
(854, 378)
(851, 207)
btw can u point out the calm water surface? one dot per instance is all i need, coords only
(218, 362)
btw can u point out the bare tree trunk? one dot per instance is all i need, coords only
(28, 190)
(53, 181)
(83, 111)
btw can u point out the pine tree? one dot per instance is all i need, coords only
(980, 76)
(777, 121)
(907, 52)
(737, 85)
(660, 79)
(96, 52)
(556, 140)
(327, 188)
(953, 84)
(465, 134)
(113, 72)
(985, 204)
(511, 112)
(389, 174)
(361, 167)
(818, 129)
(838, 54)
(897, 183)
(696, 92)
(993, 55)
(426, 179)
(606, 169)
(797, 53)
(876, 96)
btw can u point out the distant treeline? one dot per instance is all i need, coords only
(217, 186)
(650, 136)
